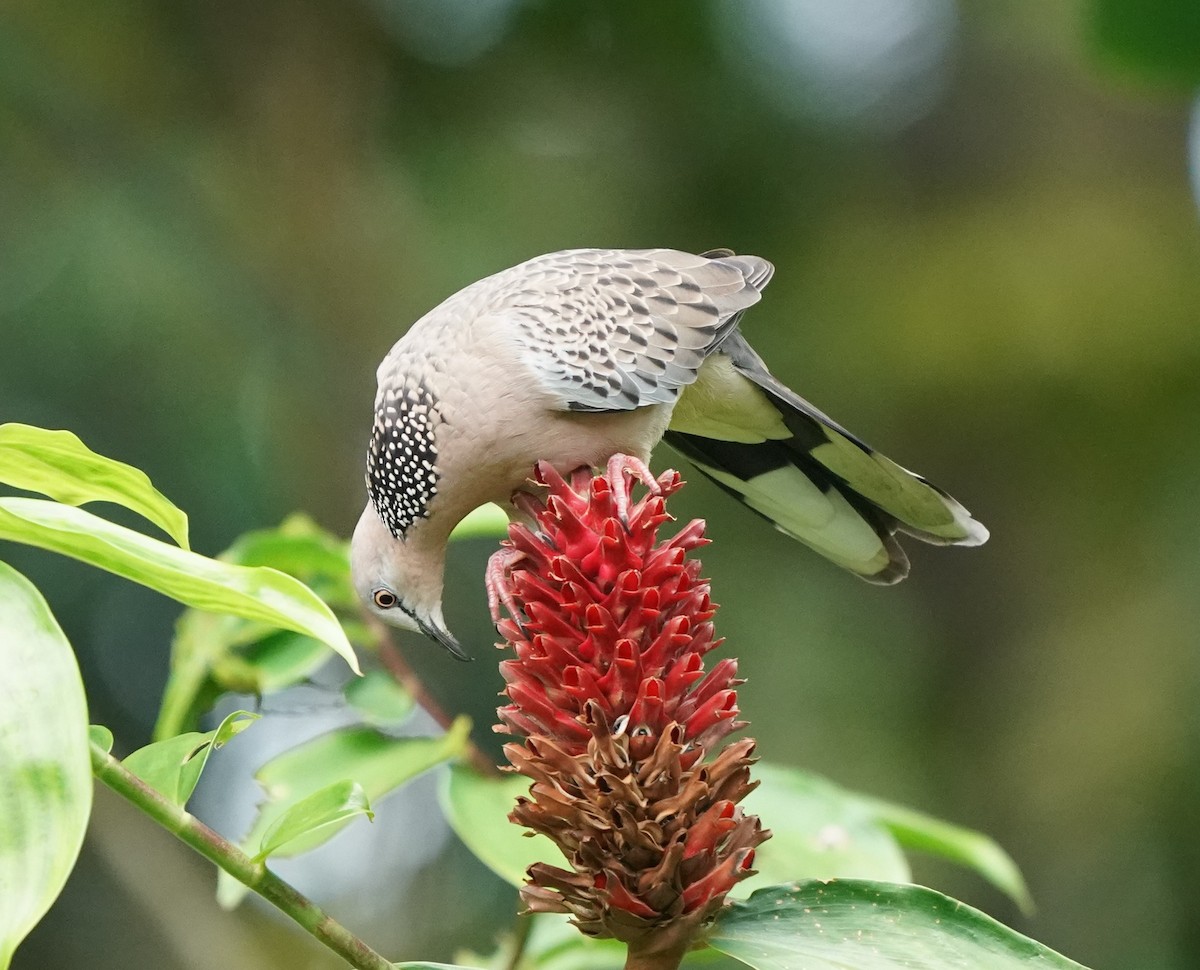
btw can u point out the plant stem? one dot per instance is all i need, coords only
(637, 959)
(191, 831)
(652, 957)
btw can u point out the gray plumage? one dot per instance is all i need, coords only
(576, 356)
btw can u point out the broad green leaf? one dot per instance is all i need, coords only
(375, 761)
(379, 699)
(257, 593)
(45, 766)
(330, 807)
(173, 766)
(214, 654)
(486, 522)
(918, 831)
(58, 464)
(819, 831)
(101, 736)
(862, 925)
(477, 808)
(823, 831)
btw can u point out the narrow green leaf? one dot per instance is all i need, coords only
(58, 464)
(202, 641)
(819, 831)
(45, 767)
(255, 593)
(486, 522)
(378, 763)
(173, 766)
(477, 808)
(379, 699)
(98, 734)
(329, 807)
(862, 925)
(921, 832)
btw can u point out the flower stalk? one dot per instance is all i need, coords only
(619, 725)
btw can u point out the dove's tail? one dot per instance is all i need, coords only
(807, 475)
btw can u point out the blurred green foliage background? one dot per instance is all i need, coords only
(216, 218)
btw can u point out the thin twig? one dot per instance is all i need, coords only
(393, 659)
(219, 850)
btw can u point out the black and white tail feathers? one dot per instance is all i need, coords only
(807, 475)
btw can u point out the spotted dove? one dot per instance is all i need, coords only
(579, 356)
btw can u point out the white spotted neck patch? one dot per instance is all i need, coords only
(402, 472)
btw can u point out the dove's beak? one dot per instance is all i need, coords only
(445, 638)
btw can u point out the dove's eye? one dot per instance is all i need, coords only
(385, 599)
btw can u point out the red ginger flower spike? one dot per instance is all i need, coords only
(609, 695)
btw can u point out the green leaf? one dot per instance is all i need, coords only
(379, 699)
(214, 654)
(329, 807)
(58, 464)
(99, 735)
(1158, 39)
(202, 642)
(861, 925)
(45, 766)
(486, 522)
(257, 593)
(270, 663)
(173, 766)
(375, 761)
(822, 831)
(477, 808)
(819, 830)
(300, 548)
(918, 831)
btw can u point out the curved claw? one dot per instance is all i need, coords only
(618, 467)
(496, 581)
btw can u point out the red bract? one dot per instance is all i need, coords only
(608, 691)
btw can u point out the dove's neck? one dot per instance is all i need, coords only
(412, 567)
(419, 561)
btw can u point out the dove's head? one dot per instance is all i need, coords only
(400, 580)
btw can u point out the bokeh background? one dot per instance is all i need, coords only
(216, 218)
